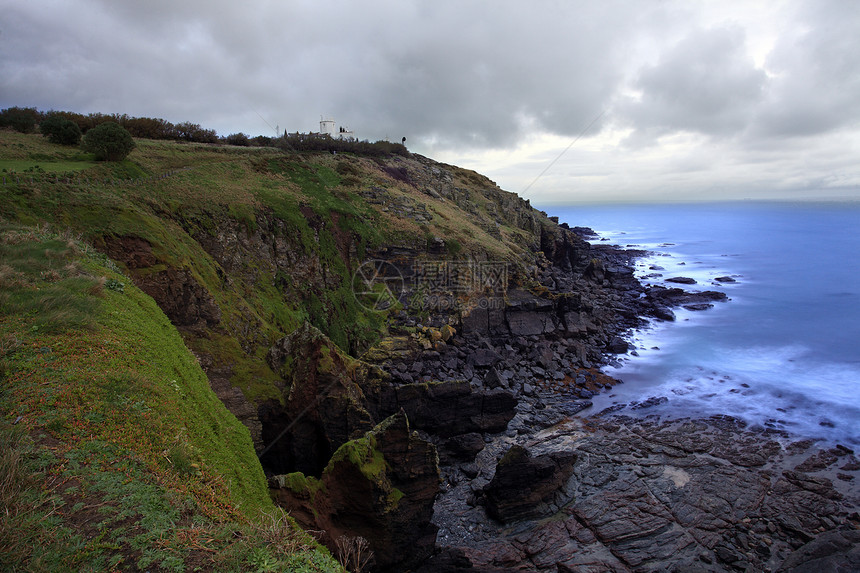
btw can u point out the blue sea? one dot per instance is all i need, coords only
(784, 352)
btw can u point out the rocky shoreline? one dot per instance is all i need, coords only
(620, 494)
(524, 485)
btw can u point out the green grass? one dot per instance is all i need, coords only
(34, 166)
(32, 154)
(361, 453)
(122, 456)
(40, 280)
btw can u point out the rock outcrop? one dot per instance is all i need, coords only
(679, 297)
(187, 303)
(380, 487)
(324, 404)
(446, 409)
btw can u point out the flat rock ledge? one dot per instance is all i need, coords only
(622, 494)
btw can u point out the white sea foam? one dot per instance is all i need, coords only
(777, 387)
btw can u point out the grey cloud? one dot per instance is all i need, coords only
(477, 73)
(816, 84)
(462, 78)
(481, 84)
(705, 83)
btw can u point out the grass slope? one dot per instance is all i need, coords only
(114, 452)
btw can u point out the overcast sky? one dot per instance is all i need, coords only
(632, 99)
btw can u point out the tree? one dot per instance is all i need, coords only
(108, 141)
(148, 127)
(60, 130)
(238, 139)
(193, 132)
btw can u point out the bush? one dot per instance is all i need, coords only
(318, 142)
(148, 127)
(262, 141)
(22, 119)
(60, 130)
(108, 141)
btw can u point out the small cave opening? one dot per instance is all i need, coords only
(291, 445)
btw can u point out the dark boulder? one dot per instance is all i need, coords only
(681, 280)
(617, 345)
(462, 448)
(446, 408)
(530, 323)
(662, 312)
(483, 357)
(525, 486)
(493, 380)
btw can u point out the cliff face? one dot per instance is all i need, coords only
(471, 299)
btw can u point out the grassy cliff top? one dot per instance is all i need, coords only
(185, 178)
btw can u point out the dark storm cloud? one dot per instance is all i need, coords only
(483, 73)
(478, 73)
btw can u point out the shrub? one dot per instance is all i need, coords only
(60, 130)
(108, 141)
(318, 142)
(21, 119)
(262, 141)
(453, 247)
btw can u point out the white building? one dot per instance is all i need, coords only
(327, 127)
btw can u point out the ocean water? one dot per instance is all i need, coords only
(784, 352)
